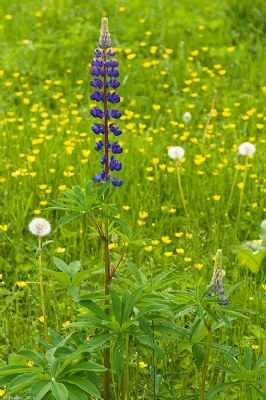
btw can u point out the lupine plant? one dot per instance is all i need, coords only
(129, 322)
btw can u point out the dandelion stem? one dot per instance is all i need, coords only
(242, 192)
(41, 287)
(232, 191)
(208, 120)
(180, 189)
(206, 360)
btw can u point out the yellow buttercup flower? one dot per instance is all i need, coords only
(21, 284)
(166, 239)
(142, 364)
(143, 214)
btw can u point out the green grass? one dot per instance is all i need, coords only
(217, 55)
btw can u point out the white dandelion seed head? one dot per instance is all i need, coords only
(246, 149)
(187, 117)
(40, 227)
(176, 152)
(263, 224)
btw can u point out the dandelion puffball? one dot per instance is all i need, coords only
(40, 227)
(187, 117)
(176, 152)
(246, 149)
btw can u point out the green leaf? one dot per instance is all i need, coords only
(79, 277)
(118, 355)
(74, 267)
(99, 341)
(68, 218)
(59, 391)
(21, 379)
(61, 265)
(151, 308)
(248, 359)
(103, 188)
(251, 259)
(83, 384)
(114, 219)
(211, 314)
(79, 193)
(135, 272)
(75, 393)
(33, 356)
(147, 341)
(199, 354)
(61, 277)
(87, 366)
(94, 308)
(52, 361)
(40, 389)
(130, 302)
(89, 191)
(219, 388)
(261, 361)
(17, 369)
(73, 198)
(116, 305)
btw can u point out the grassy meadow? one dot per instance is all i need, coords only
(175, 57)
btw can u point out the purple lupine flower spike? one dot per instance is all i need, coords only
(217, 280)
(105, 73)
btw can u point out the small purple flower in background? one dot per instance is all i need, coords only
(217, 280)
(105, 73)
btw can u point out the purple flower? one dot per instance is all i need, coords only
(97, 83)
(116, 114)
(116, 149)
(98, 128)
(99, 145)
(99, 177)
(114, 84)
(104, 66)
(97, 112)
(115, 130)
(116, 182)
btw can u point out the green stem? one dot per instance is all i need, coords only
(42, 288)
(107, 312)
(126, 377)
(231, 192)
(206, 361)
(137, 381)
(106, 240)
(242, 191)
(181, 190)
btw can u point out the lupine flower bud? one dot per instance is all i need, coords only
(103, 68)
